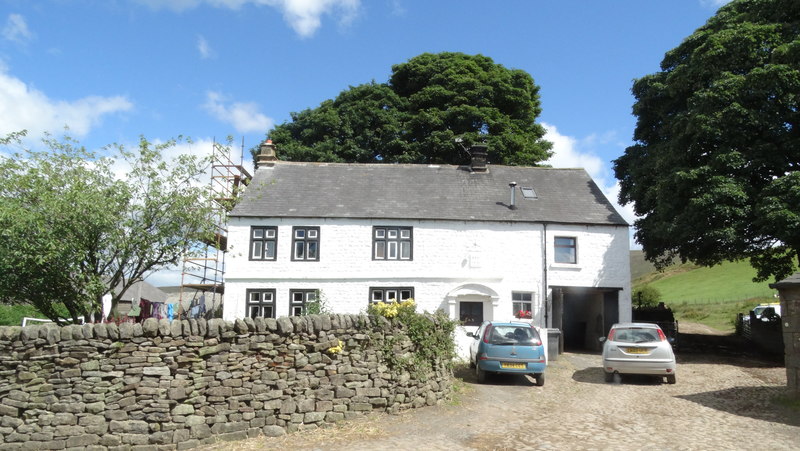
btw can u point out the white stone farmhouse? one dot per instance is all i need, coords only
(480, 242)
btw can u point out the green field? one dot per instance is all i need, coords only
(711, 296)
(11, 315)
(730, 281)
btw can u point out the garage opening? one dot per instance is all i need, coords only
(584, 315)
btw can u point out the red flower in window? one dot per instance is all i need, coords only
(524, 314)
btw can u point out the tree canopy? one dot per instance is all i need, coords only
(71, 229)
(417, 115)
(713, 173)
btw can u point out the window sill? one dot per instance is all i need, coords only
(566, 266)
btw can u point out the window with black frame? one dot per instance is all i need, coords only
(389, 294)
(392, 243)
(261, 303)
(300, 300)
(263, 242)
(305, 243)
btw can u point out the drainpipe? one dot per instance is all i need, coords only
(544, 274)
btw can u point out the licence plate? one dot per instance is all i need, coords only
(514, 366)
(636, 350)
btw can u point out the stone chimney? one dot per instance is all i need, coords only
(266, 154)
(479, 156)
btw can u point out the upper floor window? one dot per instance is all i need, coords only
(522, 303)
(383, 294)
(300, 300)
(391, 243)
(565, 250)
(261, 303)
(305, 243)
(263, 242)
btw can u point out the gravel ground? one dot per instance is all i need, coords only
(718, 403)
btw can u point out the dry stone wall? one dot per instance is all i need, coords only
(162, 385)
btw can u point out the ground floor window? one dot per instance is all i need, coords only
(300, 300)
(389, 294)
(522, 303)
(470, 313)
(261, 302)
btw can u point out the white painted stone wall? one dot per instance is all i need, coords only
(486, 260)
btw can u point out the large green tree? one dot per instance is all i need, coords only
(73, 226)
(416, 116)
(713, 173)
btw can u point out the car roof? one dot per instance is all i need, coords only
(508, 323)
(643, 325)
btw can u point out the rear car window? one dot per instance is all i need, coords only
(635, 335)
(512, 335)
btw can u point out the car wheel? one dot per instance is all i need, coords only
(617, 378)
(671, 379)
(539, 379)
(480, 374)
(609, 377)
(472, 363)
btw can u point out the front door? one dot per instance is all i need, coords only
(470, 313)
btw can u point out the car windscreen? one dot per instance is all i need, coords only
(512, 335)
(635, 335)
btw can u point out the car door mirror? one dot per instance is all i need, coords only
(602, 339)
(470, 334)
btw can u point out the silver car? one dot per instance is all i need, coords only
(638, 348)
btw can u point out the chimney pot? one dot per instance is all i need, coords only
(266, 154)
(479, 157)
(513, 186)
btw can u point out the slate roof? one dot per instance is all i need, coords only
(410, 191)
(791, 281)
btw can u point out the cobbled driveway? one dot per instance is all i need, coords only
(717, 404)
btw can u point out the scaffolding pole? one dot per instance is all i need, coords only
(205, 273)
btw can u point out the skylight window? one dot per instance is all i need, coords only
(528, 192)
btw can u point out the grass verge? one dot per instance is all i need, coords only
(11, 315)
(718, 315)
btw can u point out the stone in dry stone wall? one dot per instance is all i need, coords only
(162, 385)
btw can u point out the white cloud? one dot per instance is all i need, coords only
(16, 29)
(204, 48)
(169, 276)
(567, 155)
(714, 3)
(244, 116)
(304, 16)
(569, 152)
(398, 9)
(24, 107)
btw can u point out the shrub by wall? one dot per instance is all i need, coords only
(162, 385)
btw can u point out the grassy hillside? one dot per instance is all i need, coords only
(712, 296)
(730, 281)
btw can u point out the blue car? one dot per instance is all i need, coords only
(507, 348)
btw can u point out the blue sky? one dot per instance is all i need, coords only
(113, 70)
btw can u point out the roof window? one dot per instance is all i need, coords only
(528, 192)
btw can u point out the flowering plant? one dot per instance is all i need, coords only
(392, 308)
(336, 349)
(526, 314)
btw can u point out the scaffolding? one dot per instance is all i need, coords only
(203, 274)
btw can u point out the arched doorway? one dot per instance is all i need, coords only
(471, 304)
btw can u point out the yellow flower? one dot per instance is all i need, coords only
(336, 349)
